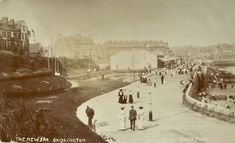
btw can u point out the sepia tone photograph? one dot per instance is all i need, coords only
(117, 71)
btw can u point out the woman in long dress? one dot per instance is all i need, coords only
(122, 119)
(141, 118)
(120, 96)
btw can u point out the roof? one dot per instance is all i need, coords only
(14, 27)
(166, 59)
(8, 28)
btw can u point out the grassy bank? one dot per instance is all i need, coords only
(33, 86)
(62, 107)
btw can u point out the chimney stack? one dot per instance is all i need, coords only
(5, 20)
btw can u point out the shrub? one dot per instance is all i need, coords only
(17, 120)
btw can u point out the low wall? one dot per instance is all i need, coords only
(208, 109)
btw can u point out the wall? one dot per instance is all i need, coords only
(208, 109)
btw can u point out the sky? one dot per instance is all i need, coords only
(178, 22)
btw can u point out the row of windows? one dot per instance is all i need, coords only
(7, 43)
(9, 34)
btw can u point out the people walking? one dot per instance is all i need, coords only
(121, 96)
(90, 114)
(122, 119)
(141, 118)
(132, 117)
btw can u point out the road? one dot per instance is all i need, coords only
(173, 122)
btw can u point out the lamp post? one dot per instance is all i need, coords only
(48, 57)
(150, 107)
(138, 92)
(155, 84)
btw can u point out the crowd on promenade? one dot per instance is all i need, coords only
(153, 79)
(134, 111)
(135, 114)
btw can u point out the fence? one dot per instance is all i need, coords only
(208, 109)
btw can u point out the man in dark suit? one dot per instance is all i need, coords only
(132, 117)
(90, 113)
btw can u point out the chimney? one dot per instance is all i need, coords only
(5, 20)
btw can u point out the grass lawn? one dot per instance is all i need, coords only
(64, 106)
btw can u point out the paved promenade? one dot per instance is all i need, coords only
(172, 121)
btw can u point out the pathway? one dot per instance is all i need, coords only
(173, 122)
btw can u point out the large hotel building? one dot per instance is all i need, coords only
(83, 46)
(14, 36)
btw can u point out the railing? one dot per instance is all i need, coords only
(208, 109)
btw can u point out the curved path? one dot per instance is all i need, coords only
(173, 122)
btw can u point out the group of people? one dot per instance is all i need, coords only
(221, 83)
(148, 80)
(143, 78)
(215, 79)
(133, 116)
(122, 97)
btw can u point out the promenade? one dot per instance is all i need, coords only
(172, 121)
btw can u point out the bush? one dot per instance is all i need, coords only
(78, 63)
(11, 62)
(17, 120)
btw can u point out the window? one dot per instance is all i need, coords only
(8, 34)
(4, 34)
(19, 36)
(23, 36)
(9, 44)
(24, 29)
(12, 34)
(1, 44)
(15, 35)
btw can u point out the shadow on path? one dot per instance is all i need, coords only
(150, 126)
(171, 115)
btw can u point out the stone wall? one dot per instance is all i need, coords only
(208, 109)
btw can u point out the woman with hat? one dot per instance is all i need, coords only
(141, 118)
(122, 119)
(121, 96)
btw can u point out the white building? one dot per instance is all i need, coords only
(133, 60)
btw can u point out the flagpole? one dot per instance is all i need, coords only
(48, 60)
(54, 57)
